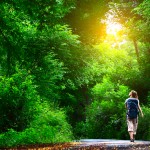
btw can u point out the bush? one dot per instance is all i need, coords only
(80, 130)
(54, 120)
(48, 126)
(106, 115)
(18, 94)
(26, 118)
(103, 120)
(143, 131)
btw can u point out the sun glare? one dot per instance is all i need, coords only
(113, 28)
(115, 34)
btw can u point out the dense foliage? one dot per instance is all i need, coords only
(64, 77)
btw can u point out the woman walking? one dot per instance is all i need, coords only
(132, 105)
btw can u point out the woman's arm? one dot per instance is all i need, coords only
(140, 110)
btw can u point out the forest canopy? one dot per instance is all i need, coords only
(67, 66)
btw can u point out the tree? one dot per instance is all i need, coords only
(85, 20)
(29, 63)
(20, 22)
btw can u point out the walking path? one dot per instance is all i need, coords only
(108, 144)
(91, 144)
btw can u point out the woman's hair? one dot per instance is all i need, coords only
(134, 94)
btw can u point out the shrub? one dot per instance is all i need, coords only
(143, 131)
(106, 115)
(26, 118)
(48, 126)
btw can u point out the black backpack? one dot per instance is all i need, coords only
(132, 105)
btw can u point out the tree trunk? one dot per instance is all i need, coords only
(136, 49)
(8, 53)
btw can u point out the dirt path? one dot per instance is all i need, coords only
(91, 144)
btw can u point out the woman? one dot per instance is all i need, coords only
(132, 122)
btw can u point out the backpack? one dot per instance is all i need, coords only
(132, 105)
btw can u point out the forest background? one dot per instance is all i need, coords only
(67, 66)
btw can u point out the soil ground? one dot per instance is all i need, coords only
(90, 144)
